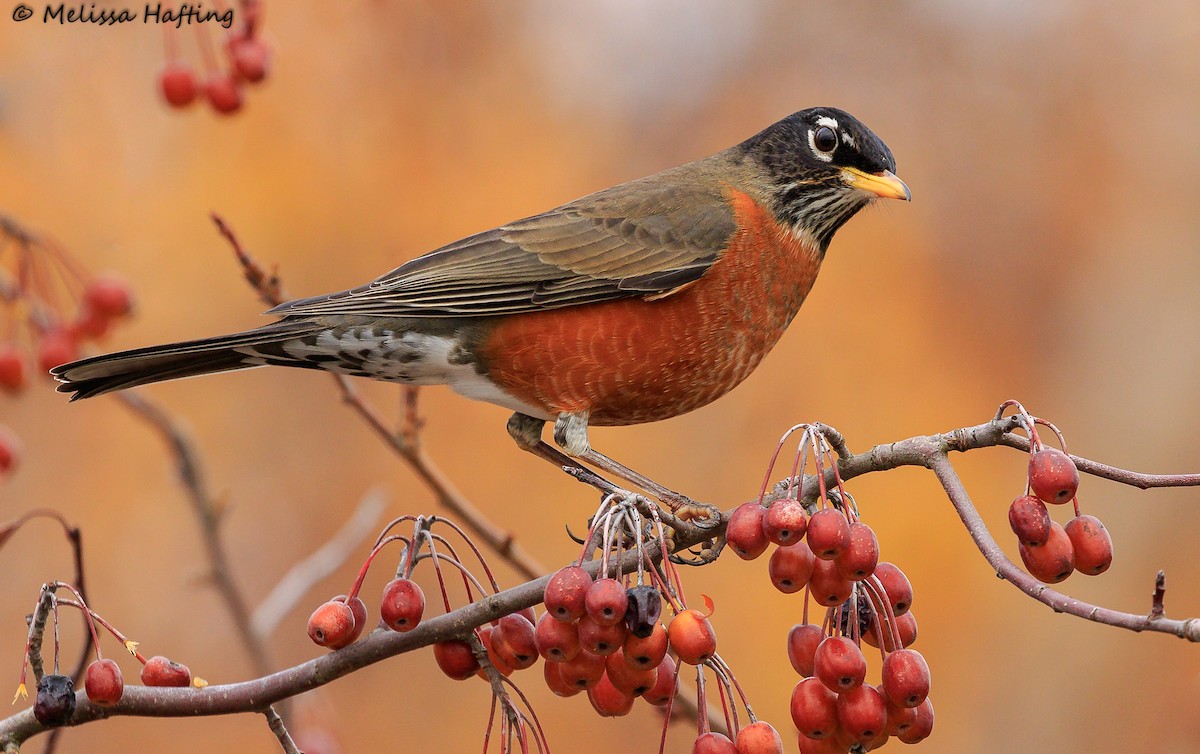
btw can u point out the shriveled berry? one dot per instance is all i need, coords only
(905, 678)
(627, 678)
(785, 522)
(803, 640)
(744, 534)
(1053, 476)
(1052, 562)
(791, 566)
(103, 683)
(223, 93)
(552, 673)
(566, 593)
(692, 637)
(514, 641)
(861, 713)
(55, 702)
(582, 671)
(108, 296)
(861, 555)
(455, 658)
(921, 726)
(643, 608)
(608, 700)
(827, 585)
(556, 641)
(402, 605)
(598, 639)
(250, 57)
(12, 370)
(178, 85)
(840, 664)
(713, 743)
(897, 586)
(1029, 520)
(647, 653)
(56, 347)
(664, 683)
(759, 738)
(160, 671)
(828, 533)
(814, 709)
(1093, 547)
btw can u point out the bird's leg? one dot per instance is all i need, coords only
(527, 432)
(570, 432)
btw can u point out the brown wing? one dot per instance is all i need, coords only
(644, 238)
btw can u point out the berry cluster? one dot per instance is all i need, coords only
(54, 703)
(1050, 551)
(833, 557)
(247, 61)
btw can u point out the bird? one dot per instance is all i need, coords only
(634, 304)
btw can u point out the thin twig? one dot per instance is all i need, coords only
(281, 732)
(323, 561)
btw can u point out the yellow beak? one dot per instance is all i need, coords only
(883, 184)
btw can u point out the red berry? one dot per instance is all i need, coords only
(178, 85)
(822, 746)
(332, 625)
(905, 678)
(89, 325)
(759, 738)
(103, 683)
(606, 602)
(803, 640)
(552, 673)
(249, 57)
(1053, 561)
(1093, 547)
(108, 296)
(159, 671)
(566, 593)
(223, 93)
(56, 347)
(897, 587)
(664, 683)
(359, 608)
(861, 555)
(791, 566)
(583, 671)
(10, 451)
(921, 727)
(899, 719)
(827, 585)
(485, 638)
(840, 664)
(598, 639)
(455, 658)
(713, 743)
(647, 653)
(627, 678)
(785, 522)
(12, 370)
(828, 533)
(608, 700)
(744, 534)
(906, 626)
(1029, 520)
(514, 641)
(402, 605)
(556, 641)
(861, 713)
(1053, 476)
(814, 709)
(692, 637)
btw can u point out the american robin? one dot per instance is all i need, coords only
(633, 304)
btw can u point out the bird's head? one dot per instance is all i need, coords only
(823, 166)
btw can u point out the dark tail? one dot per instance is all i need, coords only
(116, 371)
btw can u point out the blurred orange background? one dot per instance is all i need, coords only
(1050, 254)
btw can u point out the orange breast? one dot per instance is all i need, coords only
(637, 360)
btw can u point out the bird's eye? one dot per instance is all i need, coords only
(825, 139)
